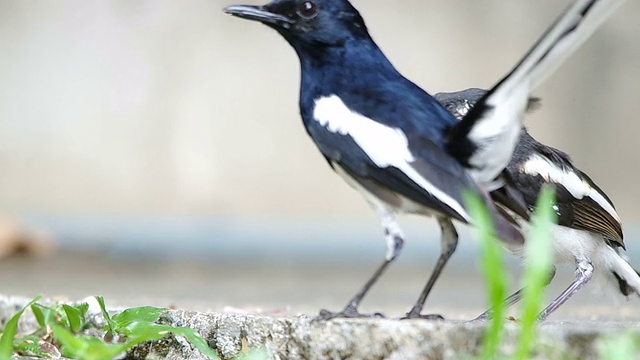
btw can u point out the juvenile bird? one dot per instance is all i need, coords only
(589, 230)
(394, 142)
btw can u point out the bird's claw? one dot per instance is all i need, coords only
(479, 319)
(486, 316)
(347, 313)
(433, 317)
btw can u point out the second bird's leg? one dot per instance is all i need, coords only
(512, 299)
(448, 243)
(584, 273)
(395, 241)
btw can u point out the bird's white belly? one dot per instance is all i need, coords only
(569, 244)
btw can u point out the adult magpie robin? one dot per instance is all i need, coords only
(589, 231)
(395, 143)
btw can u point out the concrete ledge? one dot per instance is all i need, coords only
(300, 338)
(232, 335)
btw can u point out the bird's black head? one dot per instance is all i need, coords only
(307, 23)
(460, 103)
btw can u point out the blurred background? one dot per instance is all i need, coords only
(152, 151)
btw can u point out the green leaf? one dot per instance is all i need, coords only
(90, 348)
(34, 346)
(39, 313)
(494, 272)
(28, 345)
(75, 317)
(83, 308)
(138, 324)
(10, 330)
(111, 325)
(538, 265)
(140, 332)
(196, 340)
(84, 347)
(148, 314)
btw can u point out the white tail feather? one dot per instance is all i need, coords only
(575, 26)
(495, 126)
(565, 45)
(608, 259)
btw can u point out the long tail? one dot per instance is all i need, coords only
(626, 277)
(485, 138)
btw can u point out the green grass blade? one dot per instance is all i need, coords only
(140, 332)
(138, 325)
(84, 347)
(10, 330)
(28, 345)
(494, 272)
(111, 325)
(196, 340)
(148, 314)
(39, 313)
(538, 265)
(35, 346)
(83, 308)
(143, 331)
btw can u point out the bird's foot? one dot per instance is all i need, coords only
(481, 318)
(349, 312)
(416, 315)
(485, 316)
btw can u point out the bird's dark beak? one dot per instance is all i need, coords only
(258, 13)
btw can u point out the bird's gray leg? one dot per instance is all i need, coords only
(512, 299)
(584, 273)
(395, 241)
(448, 243)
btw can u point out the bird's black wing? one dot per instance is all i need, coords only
(575, 209)
(400, 158)
(420, 180)
(593, 210)
(580, 203)
(510, 197)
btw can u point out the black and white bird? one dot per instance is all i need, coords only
(394, 142)
(589, 230)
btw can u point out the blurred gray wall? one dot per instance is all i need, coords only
(165, 106)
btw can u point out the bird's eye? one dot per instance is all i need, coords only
(308, 9)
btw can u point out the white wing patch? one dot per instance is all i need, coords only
(538, 165)
(385, 146)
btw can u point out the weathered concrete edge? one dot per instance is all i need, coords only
(231, 335)
(300, 338)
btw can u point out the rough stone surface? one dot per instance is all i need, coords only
(300, 338)
(231, 335)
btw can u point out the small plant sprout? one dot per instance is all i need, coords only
(64, 326)
(494, 272)
(538, 266)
